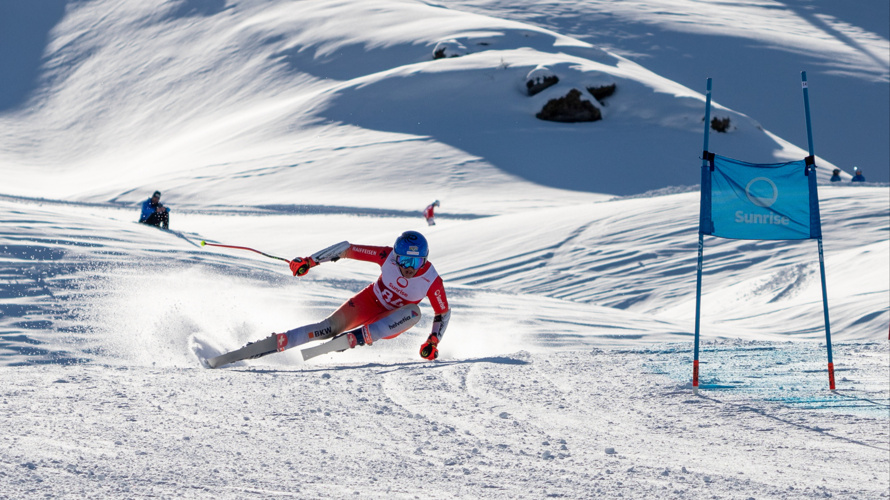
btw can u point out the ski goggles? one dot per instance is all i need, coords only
(407, 261)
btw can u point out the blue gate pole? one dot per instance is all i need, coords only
(806, 104)
(701, 244)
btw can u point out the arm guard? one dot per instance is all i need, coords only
(331, 253)
(440, 323)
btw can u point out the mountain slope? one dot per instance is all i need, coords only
(565, 370)
(753, 51)
(288, 101)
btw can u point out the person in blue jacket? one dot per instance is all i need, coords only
(836, 175)
(858, 177)
(154, 213)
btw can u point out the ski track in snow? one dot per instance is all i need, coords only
(583, 424)
(566, 369)
(104, 394)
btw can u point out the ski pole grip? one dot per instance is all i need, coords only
(300, 265)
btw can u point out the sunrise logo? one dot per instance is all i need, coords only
(757, 184)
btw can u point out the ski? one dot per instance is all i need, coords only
(252, 350)
(340, 343)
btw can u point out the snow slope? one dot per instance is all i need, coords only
(510, 426)
(752, 50)
(565, 371)
(259, 96)
(555, 380)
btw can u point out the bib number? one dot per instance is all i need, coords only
(391, 298)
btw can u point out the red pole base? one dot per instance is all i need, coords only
(831, 375)
(695, 375)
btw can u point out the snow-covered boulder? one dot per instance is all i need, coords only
(539, 79)
(570, 108)
(449, 48)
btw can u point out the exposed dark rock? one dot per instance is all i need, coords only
(536, 85)
(449, 48)
(720, 124)
(569, 109)
(600, 93)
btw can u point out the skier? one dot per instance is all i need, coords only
(153, 213)
(428, 213)
(382, 310)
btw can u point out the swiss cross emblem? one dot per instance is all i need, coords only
(282, 341)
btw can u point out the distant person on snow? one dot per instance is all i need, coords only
(858, 177)
(836, 175)
(428, 213)
(382, 310)
(155, 214)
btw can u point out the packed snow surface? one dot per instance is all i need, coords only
(568, 251)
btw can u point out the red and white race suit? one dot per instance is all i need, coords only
(429, 215)
(391, 291)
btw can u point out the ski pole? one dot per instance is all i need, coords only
(203, 243)
(305, 264)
